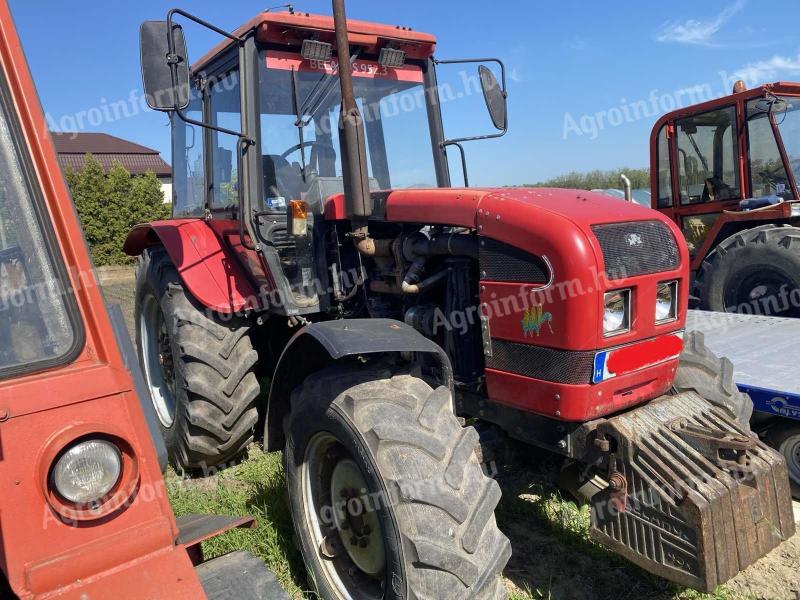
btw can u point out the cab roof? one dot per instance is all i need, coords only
(289, 29)
(788, 88)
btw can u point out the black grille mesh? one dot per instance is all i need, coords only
(502, 262)
(547, 364)
(638, 248)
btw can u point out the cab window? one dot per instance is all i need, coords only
(37, 327)
(768, 174)
(226, 112)
(708, 157)
(188, 158)
(664, 176)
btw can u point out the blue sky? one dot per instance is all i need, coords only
(587, 80)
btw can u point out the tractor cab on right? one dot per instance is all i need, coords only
(726, 172)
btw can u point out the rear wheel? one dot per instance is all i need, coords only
(199, 369)
(786, 440)
(711, 376)
(387, 495)
(755, 272)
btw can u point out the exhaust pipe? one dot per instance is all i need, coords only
(626, 185)
(358, 202)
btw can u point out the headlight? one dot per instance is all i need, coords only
(87, 472)
(667, 301)
(616, 312)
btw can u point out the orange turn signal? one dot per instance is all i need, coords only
(299, 209)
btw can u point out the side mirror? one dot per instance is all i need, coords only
(165, 76)
(495, 97)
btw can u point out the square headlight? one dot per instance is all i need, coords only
(666, 302)
(616, 312)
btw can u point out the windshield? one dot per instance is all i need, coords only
(767, 172)
(305, 162)
(35, 323)
(787, 116)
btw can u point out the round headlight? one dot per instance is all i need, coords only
(87, 472)
(665, 302)
(615, 314)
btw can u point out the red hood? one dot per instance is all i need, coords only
(461, 206)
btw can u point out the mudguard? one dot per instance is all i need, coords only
(208, 269)
(317, 345)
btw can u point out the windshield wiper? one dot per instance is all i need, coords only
(299, 124)
(318, 95)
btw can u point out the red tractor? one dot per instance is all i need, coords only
(324, 290)
(726, 172)
(84, 511)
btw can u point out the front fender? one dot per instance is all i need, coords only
(208, 269)
(320, 344)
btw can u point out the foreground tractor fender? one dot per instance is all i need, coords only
(320, 344)
(206, 266)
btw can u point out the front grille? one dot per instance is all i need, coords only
(637, 248)
(547, 364)
(503, 262)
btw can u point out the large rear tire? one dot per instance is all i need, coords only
(756, 271)
(198, 368)
(711, 376)
(387, 495)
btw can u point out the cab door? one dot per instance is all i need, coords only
(699, 170)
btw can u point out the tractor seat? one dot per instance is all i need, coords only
(282, 178)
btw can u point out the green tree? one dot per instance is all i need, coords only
(111, 203)
(592, 180)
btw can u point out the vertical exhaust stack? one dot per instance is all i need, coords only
(358, 202)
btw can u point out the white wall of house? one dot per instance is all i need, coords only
(166, 188)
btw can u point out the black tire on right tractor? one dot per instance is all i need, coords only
(711, 376)
(199, 369)
(756, 271)
(387, 496)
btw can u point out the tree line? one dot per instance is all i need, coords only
(592, 180)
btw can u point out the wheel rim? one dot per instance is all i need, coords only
(790, 449)
(340, 512)
(764, 290)
(158, 361)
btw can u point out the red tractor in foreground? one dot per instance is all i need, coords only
(84, 511)
(726, 173)
(324, 290)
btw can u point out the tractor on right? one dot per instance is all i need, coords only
(726, 172)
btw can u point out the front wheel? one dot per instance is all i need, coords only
(711, 376)
(387, 495)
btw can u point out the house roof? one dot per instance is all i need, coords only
(72, 148)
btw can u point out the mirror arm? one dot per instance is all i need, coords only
(458, 141)
(191, 121)
(457, 144)
(458, 61)
(199, 21)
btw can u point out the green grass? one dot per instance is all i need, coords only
(555, 536)
(255, 487)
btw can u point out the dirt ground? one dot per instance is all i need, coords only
(552, 557)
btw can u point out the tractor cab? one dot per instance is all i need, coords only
(734, 154)
(271, 93)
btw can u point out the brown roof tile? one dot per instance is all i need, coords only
(73, 147)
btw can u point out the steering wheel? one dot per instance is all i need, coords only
(297, 147)
(772, 177)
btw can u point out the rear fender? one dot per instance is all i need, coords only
(208, 268)
(320, 344)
